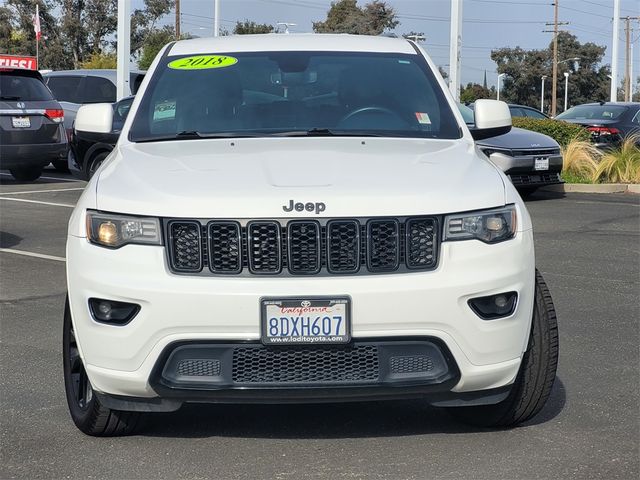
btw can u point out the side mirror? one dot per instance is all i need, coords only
(95, 118)
(492, 118)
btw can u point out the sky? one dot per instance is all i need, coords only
(488, 24)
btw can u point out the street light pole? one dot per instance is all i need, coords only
(454, 48)
(123, 49)
(216, 18)
(543, 78)
(614, 51)
(566, 89)
(499, 77)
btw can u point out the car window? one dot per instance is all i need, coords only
(517, 112)
(65, 89)
(98, 90)
(135, 81)
(593, 112)
(282, 92)
(22, 86)
(531, 113)
(467, 114)
(120, 112)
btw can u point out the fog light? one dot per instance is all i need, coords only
(494, 306)
(112, 312)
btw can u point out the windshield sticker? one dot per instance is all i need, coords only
(423, 118)
(200, 62)
(165, 110)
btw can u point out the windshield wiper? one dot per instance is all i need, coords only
(193, 134)
(9, 97)
(324, 132)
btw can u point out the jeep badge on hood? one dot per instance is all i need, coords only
(317, 207)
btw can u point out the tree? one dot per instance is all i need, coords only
(100, 60)
(345, 16)
(524, 69)
(475, 91)
(143, 23)
(153, 43)
(248, 28)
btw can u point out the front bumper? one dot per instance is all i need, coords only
(124, 361)
(521, 169)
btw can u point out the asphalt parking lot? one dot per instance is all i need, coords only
(588, 249)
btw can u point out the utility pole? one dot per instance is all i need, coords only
(614, 51)
(554, 81)
(454, 48)
(177, 19)
(554, 71)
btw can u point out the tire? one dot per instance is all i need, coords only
(86, 411)
(28, 174)
(537, 373)
(94, 163)
(61, 165)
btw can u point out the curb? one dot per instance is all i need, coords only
(594, 188)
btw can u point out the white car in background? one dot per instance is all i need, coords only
(302, 218)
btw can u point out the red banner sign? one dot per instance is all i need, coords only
(14, 61)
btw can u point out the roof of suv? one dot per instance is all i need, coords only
(295, 42)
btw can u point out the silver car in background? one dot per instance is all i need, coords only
(530, 159)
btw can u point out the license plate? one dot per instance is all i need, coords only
(295, 321)
(20, 122)
(541, 163)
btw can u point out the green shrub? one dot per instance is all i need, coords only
(621, 165)
(561, 132)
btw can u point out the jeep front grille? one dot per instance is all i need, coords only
(302, 247)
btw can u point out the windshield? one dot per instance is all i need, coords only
(293, 93)
(593, 112)
(23, 86)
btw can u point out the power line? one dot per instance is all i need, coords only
(586, 13)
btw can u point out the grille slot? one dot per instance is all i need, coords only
(384, 252)
(265, 247)
(343, 246)
(225, 250)
(303, 247)
(421, 245)
(198, 368)
(185, 245)
(309, 365)
(411, 364)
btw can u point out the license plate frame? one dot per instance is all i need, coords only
(540, 163)
(312, 308)
(21, 122)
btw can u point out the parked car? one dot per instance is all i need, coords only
(530, 159)
(89, 149)
(31, 123)
(73, 88)
(608, 122)
(526, 112)
(303, 218)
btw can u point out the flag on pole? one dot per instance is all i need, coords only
(36, 23)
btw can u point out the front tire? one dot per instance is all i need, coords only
(526, 192)
(61, 165)
(94, 163)
(533, 384)
(27, 174)
(88, 414)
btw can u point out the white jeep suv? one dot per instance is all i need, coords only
(302, 218)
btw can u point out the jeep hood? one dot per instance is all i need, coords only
(256, 177)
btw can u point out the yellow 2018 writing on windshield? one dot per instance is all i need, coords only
(203, 61)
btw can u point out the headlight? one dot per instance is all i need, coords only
(114, 231)
(488, 151)
(489, 226)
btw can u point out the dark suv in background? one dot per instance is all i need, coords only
(73, 88)
(31, 125)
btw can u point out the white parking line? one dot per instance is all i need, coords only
(48, 178)
(42, 191)
(32, 254)
(37, 201)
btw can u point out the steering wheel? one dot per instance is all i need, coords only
(362, 110)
